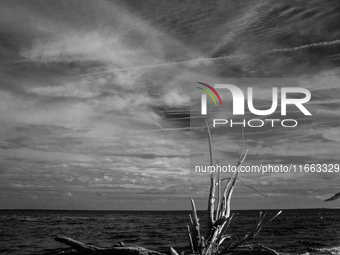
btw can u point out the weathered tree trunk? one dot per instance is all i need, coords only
(85, 249)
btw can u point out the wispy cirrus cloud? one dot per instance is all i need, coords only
(95, 98)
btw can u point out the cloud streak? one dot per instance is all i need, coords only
(95, 99)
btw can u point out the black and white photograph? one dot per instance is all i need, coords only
(169, 127)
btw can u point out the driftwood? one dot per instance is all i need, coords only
(117, 249)
(216, 241)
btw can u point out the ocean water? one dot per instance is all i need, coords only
(33, 231)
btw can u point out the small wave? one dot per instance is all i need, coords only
(329, 250)
(29, 219)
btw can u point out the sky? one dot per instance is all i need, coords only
(98, 101)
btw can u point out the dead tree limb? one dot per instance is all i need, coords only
(86, 249)
(211, 202)
(219, 217)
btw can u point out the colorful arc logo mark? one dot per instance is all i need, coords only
(208, 92)
(204, 97)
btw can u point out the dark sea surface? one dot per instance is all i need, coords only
(33, 231)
